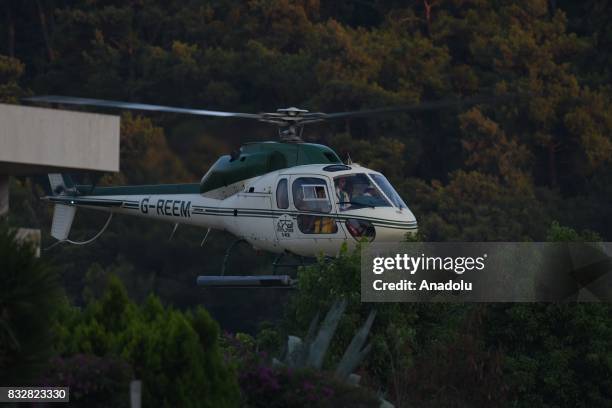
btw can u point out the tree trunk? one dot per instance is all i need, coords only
(552, 7)
(4, 195)
(10, 25)
(552, 164)
(427, 6)
(45, 31)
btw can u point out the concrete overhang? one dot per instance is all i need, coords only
(39, 140)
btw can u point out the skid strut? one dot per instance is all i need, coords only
(241, 281)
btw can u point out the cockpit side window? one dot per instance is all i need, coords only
(310, 194)
(282, 194)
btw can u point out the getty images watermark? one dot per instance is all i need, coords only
(486, 272)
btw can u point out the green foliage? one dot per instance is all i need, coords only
(519, 354)
(11, 69)
(393, 336)
(476, 207)
(554, 355)
(559, 233)
(269, 339)
(145, 157)
(459, 370)
(494, 355)
(176, 355)
(30, 295)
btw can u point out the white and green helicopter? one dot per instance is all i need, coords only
(283, 197)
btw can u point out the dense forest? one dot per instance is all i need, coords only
(532, 168)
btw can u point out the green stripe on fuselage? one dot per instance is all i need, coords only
(155, 189)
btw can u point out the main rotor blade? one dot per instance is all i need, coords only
(68, 100)
(422, 106)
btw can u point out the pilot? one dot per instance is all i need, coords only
(342, 193)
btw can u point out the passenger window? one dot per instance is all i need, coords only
(282, 194)
(316, 224)
(310, 194)
(314, 192)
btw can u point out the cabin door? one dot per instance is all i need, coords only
(311, 214)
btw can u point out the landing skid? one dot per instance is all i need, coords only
(259, 281)
(275, 280)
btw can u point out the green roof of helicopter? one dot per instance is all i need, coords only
(253, 159)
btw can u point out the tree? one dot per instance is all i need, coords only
(30, 295)
(554, 354)
(145, 156)
(476, 206)
(175, 354)
(490, 151)
(11, 69)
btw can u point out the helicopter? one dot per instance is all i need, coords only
(285, 196)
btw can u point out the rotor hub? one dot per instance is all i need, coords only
(291, 121)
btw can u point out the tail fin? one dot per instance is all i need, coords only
(63, 214)
(60, 183)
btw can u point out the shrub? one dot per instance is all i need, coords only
(29, 296)
(554, 354)
(93, 381)
(266, 385)
(330, 279)
(175, 354)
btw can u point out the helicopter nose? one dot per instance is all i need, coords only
(393, 234)
(399, 230)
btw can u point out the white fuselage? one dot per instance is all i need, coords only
(259, 215)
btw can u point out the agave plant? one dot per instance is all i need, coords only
(310, 352)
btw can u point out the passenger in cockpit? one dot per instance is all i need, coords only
(342, 192)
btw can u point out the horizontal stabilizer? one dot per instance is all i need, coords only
(62, 221)
(267, 281)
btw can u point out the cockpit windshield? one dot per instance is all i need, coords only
(388, 189)
(355, 191)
